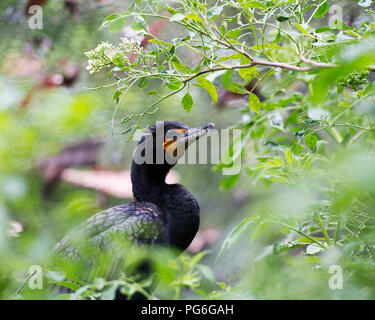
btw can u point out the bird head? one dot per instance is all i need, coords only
(157, 152)
(166, 142)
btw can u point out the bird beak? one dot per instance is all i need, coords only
(194, 134)
(184, 138)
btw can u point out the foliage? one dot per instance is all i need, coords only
(313, 134)
(306, 149)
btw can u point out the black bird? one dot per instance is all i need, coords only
(166, 214)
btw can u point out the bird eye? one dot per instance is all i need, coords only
(169, 135)
(173, 134)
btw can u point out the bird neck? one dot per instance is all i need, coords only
(182, 214)
(148, 182)
(179, 207)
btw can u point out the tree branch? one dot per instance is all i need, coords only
(317, 64)
(255, 62)
(327, 65)
(217, 69)
(252, 64)
(280, 65)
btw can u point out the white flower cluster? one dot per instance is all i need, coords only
(100, 56)
(105, 54)
(131, 46)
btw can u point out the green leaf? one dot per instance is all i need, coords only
(285, 246)
(179, 65)
(226, 78)
(67, 284)
(231, 57)
(128, 130)
(99, 283)
(247, 73)
(234, 33)
(258, 131)
(222, 285)
(237, 88)
(289, 157)
(194, 16)
(283, 17)
(265, 46)
(139, 23)
(206, 272)
(111, 17)
(323, 29)
(302, 29)
(255, 4)
(234, 235)
(255, 174)
(197, 257)
(172, 10)
(323, 9)
(311, 141)
(214, 12)
(177, 17)
(210, 88)
(223, 28)
(254, 102)
(127, 118)
(297, 149)
(313, 249)
(109, 293)
(161, 42)
(229, 182)
(259, 226)
(143, 82)
(116, 95)
(175, 85)
(187, 102)
(108, 20)
(117, 25)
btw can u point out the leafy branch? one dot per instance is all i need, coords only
(209, 44)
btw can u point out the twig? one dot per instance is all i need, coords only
(324, 230)
(217, 69)
(280, 65)
(302, 234)
(317, 64)
(336, 233)
(327, 65)
(249, 65)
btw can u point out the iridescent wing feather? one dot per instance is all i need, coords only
(139, 222)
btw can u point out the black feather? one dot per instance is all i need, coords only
(163, 213)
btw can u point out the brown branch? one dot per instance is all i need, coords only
(317, 64)
(255, 62)
(218, 69)
(327, 65)
(280, 65)
(252, 64)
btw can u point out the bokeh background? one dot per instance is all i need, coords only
(52, 126)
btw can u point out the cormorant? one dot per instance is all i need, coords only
(162, 213)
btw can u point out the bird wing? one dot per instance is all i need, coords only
(140, 222)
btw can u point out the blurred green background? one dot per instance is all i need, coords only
(46, 105)
(62, 115)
